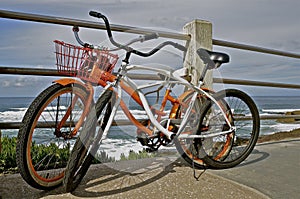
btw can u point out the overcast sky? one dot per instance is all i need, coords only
(267, 23)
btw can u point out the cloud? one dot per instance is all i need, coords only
(175, 23)
(268, 23)
(18, 81)
(21, 86)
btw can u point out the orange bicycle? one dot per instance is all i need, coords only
(206, 127)
(62, 123)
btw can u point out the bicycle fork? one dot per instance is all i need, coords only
(114, 109)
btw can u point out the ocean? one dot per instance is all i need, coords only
(270, 105)
(122, 138)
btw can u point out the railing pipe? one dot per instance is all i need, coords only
(256, 83)
(87, 24)
(136, 30)
(53, 72)
(16, 125)
(28, 71)
(254, 48)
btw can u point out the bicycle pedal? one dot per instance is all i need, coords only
(170, 143)
(150, 150)
(143, 139)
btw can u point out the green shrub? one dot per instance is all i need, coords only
(58, 158)
(8, 154)
(8, 162)
(136, 155)
(102, 157)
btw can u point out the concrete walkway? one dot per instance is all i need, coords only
(271, 171)
(273, 168)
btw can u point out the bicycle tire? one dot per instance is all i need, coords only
(87, 143)
(246, 120)
(184, 146)
(41, 155)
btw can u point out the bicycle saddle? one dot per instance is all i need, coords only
(213, 59)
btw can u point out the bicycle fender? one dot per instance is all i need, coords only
(176, 106)
(67, 81)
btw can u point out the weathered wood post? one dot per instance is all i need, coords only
(201, 36)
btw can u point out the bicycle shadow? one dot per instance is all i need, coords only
(103, 179)
(255, 156)
(259, 153)
(100, 180)
(115, 178)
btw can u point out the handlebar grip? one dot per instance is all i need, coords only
(180, 47)
(95, 14)
(75, 29)
(149, 37)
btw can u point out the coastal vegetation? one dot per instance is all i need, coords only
(8, 155)
(8, 151)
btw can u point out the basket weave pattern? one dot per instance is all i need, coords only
(84, 63)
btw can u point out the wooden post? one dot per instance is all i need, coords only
(201, 36)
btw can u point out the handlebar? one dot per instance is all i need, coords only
(76, 30)
(149, 37)
(108, 30)
(160, 46)
(126, 47)
(95, 14)
(141, 38)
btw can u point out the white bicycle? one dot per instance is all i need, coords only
(217, 130)
(213, 129)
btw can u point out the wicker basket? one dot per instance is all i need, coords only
(84, 63)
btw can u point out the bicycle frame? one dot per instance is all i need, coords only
(130, 87)
(139, 96)
(135, 92)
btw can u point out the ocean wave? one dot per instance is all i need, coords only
(138, 114)
(19, 109)
(12, 116)
(284, 127)
(278, 111)
(116, 147)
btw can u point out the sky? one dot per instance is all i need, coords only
(271, 24)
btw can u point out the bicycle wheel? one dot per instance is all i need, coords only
(43, 149)
(186, 147)
(218, 151)
(88, 142)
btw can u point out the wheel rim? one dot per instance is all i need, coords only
(49, 174)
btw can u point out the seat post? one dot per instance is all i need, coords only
(204, 71)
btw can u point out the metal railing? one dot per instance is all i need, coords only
(86, 24)
(53, 72)
(136, 30)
